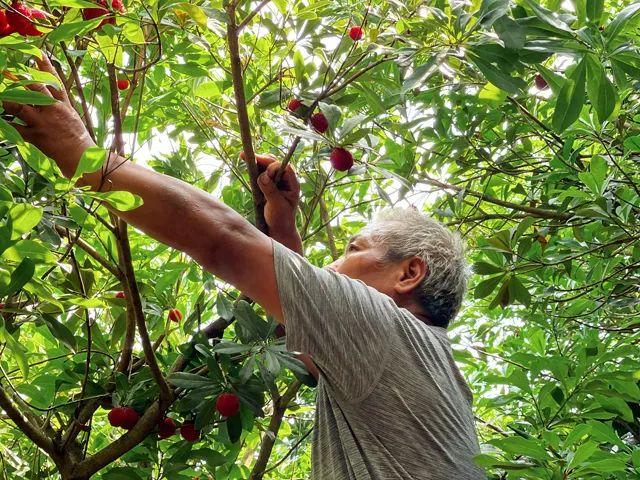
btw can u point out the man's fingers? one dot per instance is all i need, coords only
(267, 185)
(45, 65)
(39, 87)
(24, 112)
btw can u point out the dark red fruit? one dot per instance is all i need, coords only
(280, 331)
(166, 428)
(116, 416)
(228, 404)
(189, 432)
(120, 295)
(20, 19)
(341, 159)
(102, 9)
(541, 83)
(356, 33)
(123, 84)
(319, 122)
(5, 26)
(294, 104)
(129, 418)
(175, 315)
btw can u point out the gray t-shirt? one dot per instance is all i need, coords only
(391, 402)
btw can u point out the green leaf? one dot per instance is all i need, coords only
(632, 144)
(37, 252)
(484, 288)
(122, 473)
(234, 428)
(570, 100)
(521, 446)
(600, 90)
(191, 381)
(617, 25)
(499, 79)
(120, 200)
(583, 452)
(211, 457)
(27, 97)
(60, 331)
(484, 268)
(230, 348)
(251, 322)
(594, 9)
(510, 32)
(68, 31)
(19, 277)
(420, 74)
(19, 352)
(92, 159)
(492, 10)
(22, 217)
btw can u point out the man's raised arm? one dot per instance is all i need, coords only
(175, 213)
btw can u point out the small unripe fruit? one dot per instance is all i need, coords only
(189, 432)
(294, 104)
(120, 295)
(356, 33)
(228, 404)
(175, 315)
(319, 122)
(166, 428)
(129, 418)
(123, 84)
(341, 159)
(541, 83)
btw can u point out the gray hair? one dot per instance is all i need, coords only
(405, 232)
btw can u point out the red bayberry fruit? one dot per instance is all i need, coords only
(341, 159)
(116, 416)
(20, 19)
(123, 84)
(102, 9)
(280, 331)
(189, 432)
(294, 104)
(228, 404)
(166, 428)
(319, 122)
(2, 305)
(5, 26)
(541, 83)
(175, 315)
(120, 295)
(129, 418)
(356, 33)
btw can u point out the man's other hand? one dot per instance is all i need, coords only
(56, 129)
(281, 199)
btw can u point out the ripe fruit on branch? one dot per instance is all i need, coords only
(189, 432)
(175, 315)
(294, 104)
(123, 84)
(228, 404)
(20, 18)
(120, 295)
(124, 417)
(356, 33)
(341, 159)
(102, 9)
(541, 83)
(319, 122)
(5, 26)
(166, 428)
(280, 331)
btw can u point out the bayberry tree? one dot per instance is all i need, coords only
(513, 121)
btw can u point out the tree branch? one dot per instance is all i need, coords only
(253, 13)
(280, 405)
(243, 118)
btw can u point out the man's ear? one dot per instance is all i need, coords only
(413, 272)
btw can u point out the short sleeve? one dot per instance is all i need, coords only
(344, 325)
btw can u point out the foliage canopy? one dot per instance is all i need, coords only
(515, 122)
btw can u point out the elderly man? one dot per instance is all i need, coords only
(391, 403)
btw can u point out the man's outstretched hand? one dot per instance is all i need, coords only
(281, 200)
(56, 129)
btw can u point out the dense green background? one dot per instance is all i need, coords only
(439, 106)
